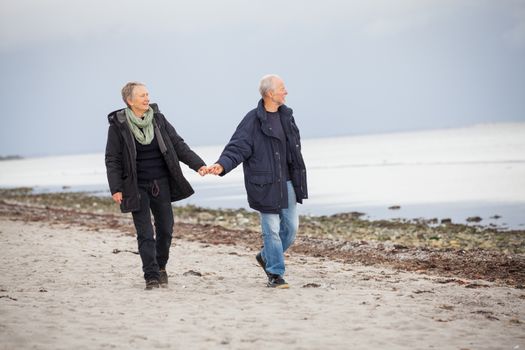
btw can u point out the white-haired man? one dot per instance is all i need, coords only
(267, 142)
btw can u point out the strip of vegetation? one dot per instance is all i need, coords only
(340, 227)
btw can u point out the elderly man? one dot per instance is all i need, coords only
(267, 142)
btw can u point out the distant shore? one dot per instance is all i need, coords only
(457, 251)
(10, 157)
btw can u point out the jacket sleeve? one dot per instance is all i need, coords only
(239, 148)
(114, 160)
(184, 152)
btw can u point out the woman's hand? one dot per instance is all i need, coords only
(203, 170)
(117, 197)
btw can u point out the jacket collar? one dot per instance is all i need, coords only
(284, 111)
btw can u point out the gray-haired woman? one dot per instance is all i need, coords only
(143, 151)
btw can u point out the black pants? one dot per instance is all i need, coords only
(154, 247)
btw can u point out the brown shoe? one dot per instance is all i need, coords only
(163, 278)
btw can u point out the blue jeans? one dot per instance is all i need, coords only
(278, 232)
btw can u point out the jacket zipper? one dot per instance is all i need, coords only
(279, 167)
(280, 177)
(131, 152)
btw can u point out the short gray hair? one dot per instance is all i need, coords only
(267, 83)
(127, 90)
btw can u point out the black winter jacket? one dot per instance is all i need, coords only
(121, 166)
(254, 145)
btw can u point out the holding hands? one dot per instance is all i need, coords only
(214, 169)
(203, 170)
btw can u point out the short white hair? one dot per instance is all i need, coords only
(127, 91)
(267, 83)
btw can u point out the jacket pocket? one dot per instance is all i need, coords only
(261, 190)
(130, 203)
(261, 179)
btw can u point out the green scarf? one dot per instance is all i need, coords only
(142, 129)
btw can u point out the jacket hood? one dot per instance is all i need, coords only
(115, 116)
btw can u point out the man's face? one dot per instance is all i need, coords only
(278, 94)
(139, 99)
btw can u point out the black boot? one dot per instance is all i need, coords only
(152, 283)
(276, 281)
(163, 278)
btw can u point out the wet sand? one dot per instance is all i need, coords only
(67, 286)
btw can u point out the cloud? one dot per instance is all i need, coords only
(515, 36)
(388, 27)
(28, 22)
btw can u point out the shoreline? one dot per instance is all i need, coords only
(502, 216)
(454, 252)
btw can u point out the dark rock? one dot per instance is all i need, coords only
(474, 219)
(496, 217)
(394, 207)
(311, 285)
(192, 273)
(358, 244)
(476, 285)
(446, 221)
(116, 251)
(447, 307)
(349, 215)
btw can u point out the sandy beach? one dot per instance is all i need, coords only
(66, 286)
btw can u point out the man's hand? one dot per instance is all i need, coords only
(203, 170)
(117, 197)
(215, 169)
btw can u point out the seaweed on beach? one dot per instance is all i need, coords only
(451, 250)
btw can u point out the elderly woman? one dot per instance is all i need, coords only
(142, 160)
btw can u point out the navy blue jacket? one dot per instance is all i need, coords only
(254, 145)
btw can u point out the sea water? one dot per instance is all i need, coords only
(447, 173)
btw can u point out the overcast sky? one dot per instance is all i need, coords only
(351, 67)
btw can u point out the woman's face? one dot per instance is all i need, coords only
(139, 101)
